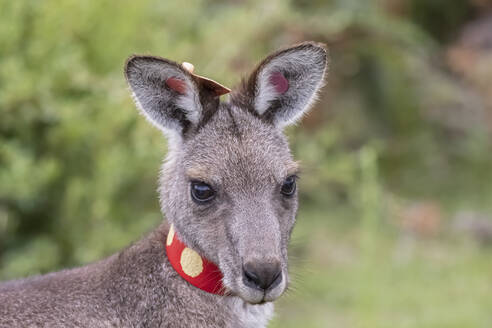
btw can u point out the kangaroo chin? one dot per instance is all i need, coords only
(228, 192)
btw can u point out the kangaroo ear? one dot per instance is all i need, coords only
(285, 84)
(164, 92)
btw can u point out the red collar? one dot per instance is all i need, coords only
(192, 267)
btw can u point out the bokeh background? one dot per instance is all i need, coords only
(395, 224)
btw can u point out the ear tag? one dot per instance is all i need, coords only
(279, 82)
(217, 88)
(176, 84)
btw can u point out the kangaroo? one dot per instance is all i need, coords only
(228, 192)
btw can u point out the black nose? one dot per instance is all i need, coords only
(262, 275)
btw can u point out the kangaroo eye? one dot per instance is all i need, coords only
(201, 192)
(289, 186)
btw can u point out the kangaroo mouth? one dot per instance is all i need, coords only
(256, 292)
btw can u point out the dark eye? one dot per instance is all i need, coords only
(201, 192)
(289, 186)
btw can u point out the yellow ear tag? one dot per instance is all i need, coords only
(217, 88)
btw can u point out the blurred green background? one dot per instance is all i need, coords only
(395, 223)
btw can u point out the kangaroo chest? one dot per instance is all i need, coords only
(250, 316)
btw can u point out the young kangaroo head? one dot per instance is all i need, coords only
(229, 183)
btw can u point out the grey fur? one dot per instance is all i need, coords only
(232, 146)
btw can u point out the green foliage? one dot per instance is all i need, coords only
(79, 166)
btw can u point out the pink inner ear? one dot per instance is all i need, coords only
(279, 82)
(176, 84)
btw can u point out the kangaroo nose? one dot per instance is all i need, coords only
(262, 275)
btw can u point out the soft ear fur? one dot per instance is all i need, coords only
(285, 84)
(164, 92)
